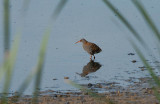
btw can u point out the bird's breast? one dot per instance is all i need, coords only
(88, 47)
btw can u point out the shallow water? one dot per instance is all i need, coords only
(91, 20)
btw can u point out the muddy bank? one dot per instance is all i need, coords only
(140, 92)
(144, 97)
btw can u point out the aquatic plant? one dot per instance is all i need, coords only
(7, 67)
(10, 52)
(138, 4)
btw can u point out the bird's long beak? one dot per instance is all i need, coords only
(77, 42)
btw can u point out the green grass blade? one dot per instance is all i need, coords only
(147, 18)
(152, 26)
(35, 71)
(58, 10)
(40, 66)
(148, 66)
(55, 14)
(25, 84)
(6, 17)
(25, 7)
(9, 66)
(156, 92)
(124, 20)
(43, 49)
(152, 73)
(7, 30)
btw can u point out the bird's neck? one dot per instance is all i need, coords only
(85, 42)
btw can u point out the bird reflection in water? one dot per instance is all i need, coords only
(90, 68)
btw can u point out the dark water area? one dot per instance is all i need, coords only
(89, 19)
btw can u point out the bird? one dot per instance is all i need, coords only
(91, 48)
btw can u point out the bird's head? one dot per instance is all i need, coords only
(82, 40)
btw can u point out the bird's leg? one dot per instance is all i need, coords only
(91, 57)
(94, 57)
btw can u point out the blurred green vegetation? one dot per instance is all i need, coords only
(10, 52)
(7, 67)
(139, 38)
(140, 7)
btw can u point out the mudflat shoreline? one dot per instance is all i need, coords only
(138, 93)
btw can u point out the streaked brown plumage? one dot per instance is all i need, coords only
(91, 48)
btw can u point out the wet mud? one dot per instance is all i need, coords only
(140, 92)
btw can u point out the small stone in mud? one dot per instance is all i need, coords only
(85, 93)
(67, 102)
(87, 77)
(99, 85)
(156, 62)
(66, 77)
(90, 85)
(59, 95)
(54, 95)
(134, 61)
(131, 54)
(142, 67)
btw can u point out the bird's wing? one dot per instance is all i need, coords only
(95, 48)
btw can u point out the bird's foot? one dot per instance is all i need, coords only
(94, 57)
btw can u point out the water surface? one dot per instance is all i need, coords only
(89, 19)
